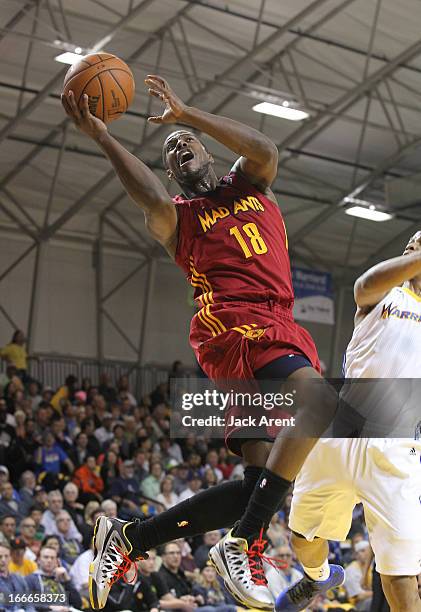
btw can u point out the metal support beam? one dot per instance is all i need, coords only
(98, 262)
(349, 98)
(18, 17)
(149, 286)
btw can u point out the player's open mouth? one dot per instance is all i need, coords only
(185, 157)
(408, 250)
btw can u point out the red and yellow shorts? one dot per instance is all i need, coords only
(232, 340)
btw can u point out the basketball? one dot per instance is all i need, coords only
(108, 82)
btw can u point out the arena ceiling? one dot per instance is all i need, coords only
(354, 65)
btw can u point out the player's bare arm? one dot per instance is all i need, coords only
(374, 284)
(258, 154)
(138, 180)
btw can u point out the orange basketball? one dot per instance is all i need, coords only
(108, 82)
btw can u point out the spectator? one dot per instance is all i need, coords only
(109, 469)
(7, 528)
(11, 584)
(194, 485)
(125, 489)
(34, 394)
(7, 432)
(212, 463)
(70, 547)
(71, 504)
(287, 575)
(124, 391)
(151, 486)
(169, 450)
(8, 505)
(167, 497)
(53, 541)
(356, 583)
(55, 505)
(210, 593)
(141, 465)
(88, 480)
(209, 539)
(51, 458)
(109, 507)
(210, 479)
(26, 492)
(106, 389)
(181, 478)
(28, 531)
(67, 391)
(104, 433)
(80, 451)
(88, 428)
(53, 578)
(277, 532)
(19, 564)
(174, 578)
(79, 572)
(15, 353)
(36, 513)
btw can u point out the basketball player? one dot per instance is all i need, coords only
(229, 237)
(383, 473)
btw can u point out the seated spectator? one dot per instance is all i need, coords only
(53, 541)
(50, 577)
(109, 468)
(106, 389)
(72, 505)
(48, 521)
(169, 450)
(209, 593)
(212, 462)
(141, 465)
(11, 583)
(51, 458)
(34, 394)
(125, 490)
(277, 532)
(70, 547)
(151, 486)
(181, 478)
(173, 576)
(8, 505)
(167, 497)
(80, 450)
(67, 391)
(194, 485)
(224, 463)
(7, 432)
(88, 428)
(36, 513)
(88, 480)
(123, 388)
(209, 478)
(356, 581)
(19, 564)
(28, 483)
(28, 533)
(79, 572)
(289, 574)
(58, 429)
(109, 507)
(202, 552)
(104, 433)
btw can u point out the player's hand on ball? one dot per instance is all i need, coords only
(82, 117)
(174, 106)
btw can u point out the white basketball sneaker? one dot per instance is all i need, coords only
(242, 569)
(114, 558)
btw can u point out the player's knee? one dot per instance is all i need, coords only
(404, 591)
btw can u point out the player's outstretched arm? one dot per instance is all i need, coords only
(259, 155)
(138, 180)
(374, 284)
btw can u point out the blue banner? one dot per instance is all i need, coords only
(313, 296)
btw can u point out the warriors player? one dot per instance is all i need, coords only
(229, 238)
(383, 473)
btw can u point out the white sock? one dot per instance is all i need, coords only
(322, 572)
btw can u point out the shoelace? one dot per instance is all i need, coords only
(256, 557)
(125, 566)
(304, 588)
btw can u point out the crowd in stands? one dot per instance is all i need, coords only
(87, 449)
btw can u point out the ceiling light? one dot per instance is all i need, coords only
(68, 57)
(368, 213)
(280, 110)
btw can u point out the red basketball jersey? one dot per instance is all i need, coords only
(232, 245)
